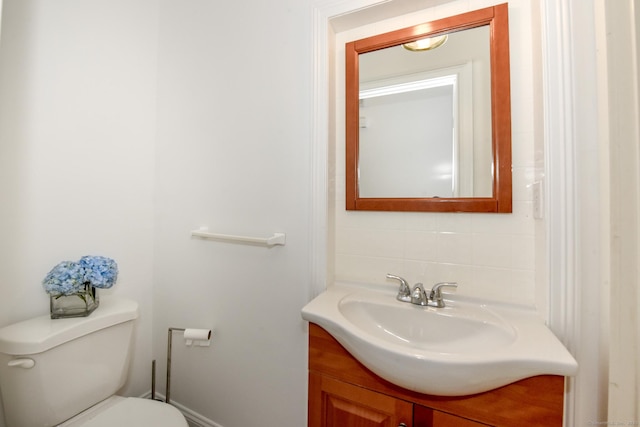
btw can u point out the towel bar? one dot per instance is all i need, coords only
(275, 239)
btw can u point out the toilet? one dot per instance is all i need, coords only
(65, 372)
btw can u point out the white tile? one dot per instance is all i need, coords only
(491, 284)
(454, 222)
(523, 285)
(454, 248)
(374, 243)
(369, 220)
(460, 274)
(362, 269)
(421, 246)
(420, 221)
(421, 272)
(519, 222)
(522, 146)
(523, 254)
(523, 178)
(492, 250)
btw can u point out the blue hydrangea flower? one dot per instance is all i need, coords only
(100, 272)
(65, 278)
(70, 277)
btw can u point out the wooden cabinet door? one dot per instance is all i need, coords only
(426, 417)
(333, 403)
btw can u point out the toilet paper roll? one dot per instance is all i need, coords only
(199, 337)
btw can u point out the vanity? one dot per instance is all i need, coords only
(342, 392)
(376, 361)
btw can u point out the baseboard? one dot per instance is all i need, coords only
(193, 418)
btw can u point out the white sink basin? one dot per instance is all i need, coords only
(464, 348)
(454, 329)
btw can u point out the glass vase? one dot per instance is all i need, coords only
(80, 304)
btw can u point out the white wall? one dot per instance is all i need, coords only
(77, 134)
(233, 154)
(86, 168)
(489, 255)
(623, 64)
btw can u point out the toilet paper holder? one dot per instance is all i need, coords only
(200, 336)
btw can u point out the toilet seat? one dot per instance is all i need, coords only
(129, 412)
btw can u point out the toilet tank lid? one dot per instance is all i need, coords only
(42, 333)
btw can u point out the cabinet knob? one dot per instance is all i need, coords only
(402, 425)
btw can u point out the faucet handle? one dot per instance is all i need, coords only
(435, 296)
(404, 293)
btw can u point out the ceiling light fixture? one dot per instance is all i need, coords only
(428, 43)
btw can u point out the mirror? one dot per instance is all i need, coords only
(431, 130)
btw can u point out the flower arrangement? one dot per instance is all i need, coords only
(71, 277)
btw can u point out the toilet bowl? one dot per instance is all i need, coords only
(119, 411)
(66, 372)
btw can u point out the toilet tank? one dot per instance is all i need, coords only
(53, 369)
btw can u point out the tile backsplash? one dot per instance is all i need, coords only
(489, 255)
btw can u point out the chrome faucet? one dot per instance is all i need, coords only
(418, 296)
(435, 296)
(404, 293)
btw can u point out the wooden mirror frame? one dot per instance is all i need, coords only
(497, 17)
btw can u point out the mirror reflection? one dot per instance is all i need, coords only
(425, 119)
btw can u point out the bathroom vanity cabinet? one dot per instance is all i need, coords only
(343, 393)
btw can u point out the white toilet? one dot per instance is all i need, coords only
(65, 372)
